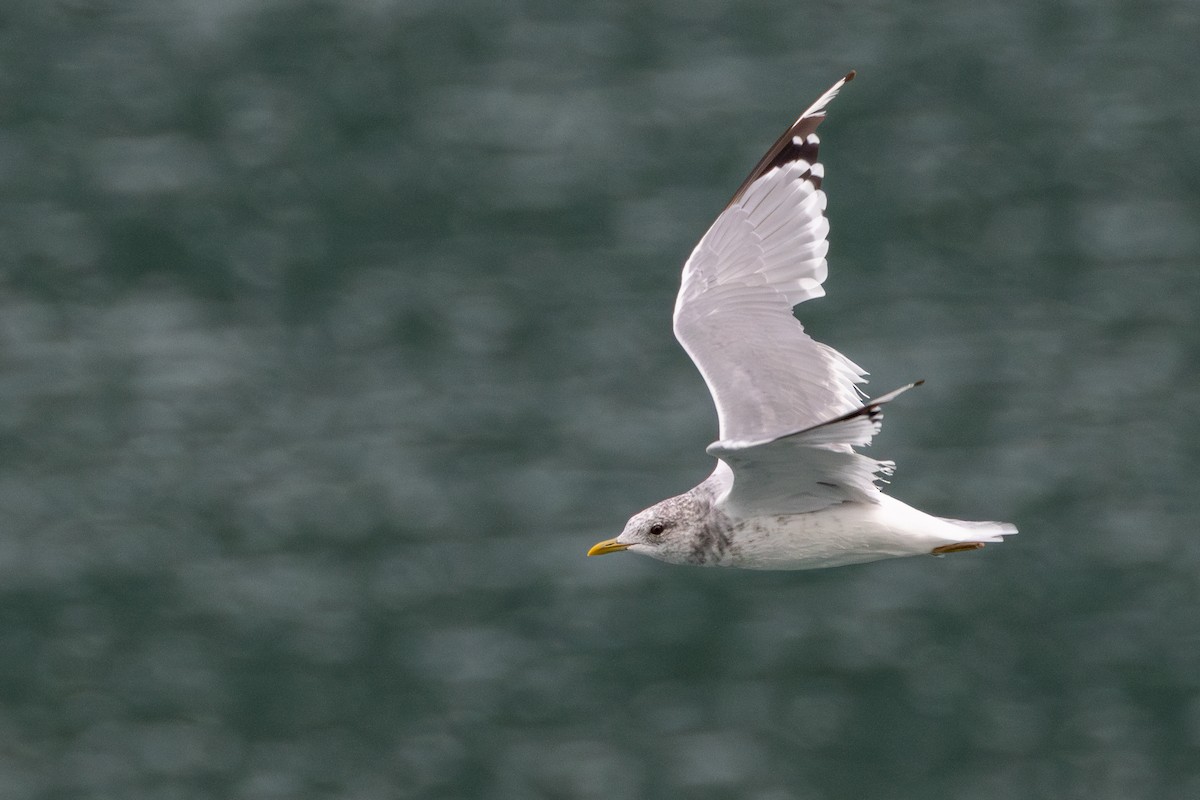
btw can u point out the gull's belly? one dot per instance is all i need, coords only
(848, 533)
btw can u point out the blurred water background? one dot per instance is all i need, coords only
(332, 334)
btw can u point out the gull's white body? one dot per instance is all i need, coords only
(789, 491)
(846, 533)
(849, 533)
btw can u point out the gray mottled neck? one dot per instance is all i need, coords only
(712, 527)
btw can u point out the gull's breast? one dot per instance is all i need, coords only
(847, 533)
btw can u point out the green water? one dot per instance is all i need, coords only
(332, 335)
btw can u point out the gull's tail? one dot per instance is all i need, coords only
(981, 531)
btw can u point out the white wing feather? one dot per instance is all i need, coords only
(733, 315)
(788, 407)
(806, 470)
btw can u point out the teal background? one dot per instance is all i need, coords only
(332, 335)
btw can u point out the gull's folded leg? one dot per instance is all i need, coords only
(955, 547)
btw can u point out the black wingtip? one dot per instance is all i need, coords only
(796, 143)
(920, 382)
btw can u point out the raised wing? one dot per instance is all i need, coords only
(733, 315)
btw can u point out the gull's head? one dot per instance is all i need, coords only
(678, 530)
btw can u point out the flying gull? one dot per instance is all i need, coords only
(788, 491)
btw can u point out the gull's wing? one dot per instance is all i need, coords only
(788, 407)
(806, 470)
(733, 316)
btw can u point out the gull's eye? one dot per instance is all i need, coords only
(656, 529)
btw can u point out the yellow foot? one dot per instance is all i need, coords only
(941, 550)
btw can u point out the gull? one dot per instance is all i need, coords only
(789, 491)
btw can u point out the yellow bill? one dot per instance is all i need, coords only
(607, 546)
